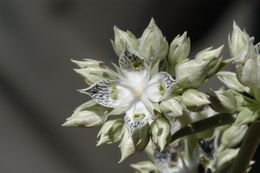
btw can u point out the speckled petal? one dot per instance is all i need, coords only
(159, 87)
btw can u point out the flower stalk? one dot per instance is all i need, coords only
(247, 149)
(205, 124)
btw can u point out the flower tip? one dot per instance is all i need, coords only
(152, 22)
(121, 160)
(221, 47)
(73, 60)
(82, 91)
(161, 147)
(115, 28)
(78, 63)
(234, 23)
(77, 71)
(66, 124)
(99, 143)
(236, 27)
(185, 34)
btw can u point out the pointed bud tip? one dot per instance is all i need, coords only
(236, 27)
(81, 91)
(66, 124)
(161, 147)
(152, 23)
(185, 34)
(77, 70)
(121, 160)
(99, 143)
(115, 28)
(73, 60)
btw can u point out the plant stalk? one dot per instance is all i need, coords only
(247, 149)
(205, 124)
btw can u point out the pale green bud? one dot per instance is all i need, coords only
(249, 75)
(191, 74)
(93, 71)
(230, 80)
(246, 116)
(225, 157)
(88, 114)
(135, 141)
(224, 101)
(194, 100)
(233, 135)
(145, 167)
(161, 132)
(124, 40)
(153, 45)
(179, 49)
(240, 44)
(211, 55)
(111, 131)
(172, 107)
(89, 63)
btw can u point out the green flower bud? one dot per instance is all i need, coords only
(145, 167)
(211, 55)
(93, 71)
(161, 132)
(246, 116)
(172, 108)
(249, 75)
(225, 157)
(110, 132)
(248, 60)
(230, 80)
(233, 135)
(88, 114)
(240, 44)
(135, 141)
(194, 100)
(89, 63)
(124, 40)
(179, 49)
(224, 101)
(153, 45)
(192, 73)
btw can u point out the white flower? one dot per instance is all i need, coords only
(135, 91)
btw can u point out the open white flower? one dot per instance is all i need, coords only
(137, 90)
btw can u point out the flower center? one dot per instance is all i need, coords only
(138, 90)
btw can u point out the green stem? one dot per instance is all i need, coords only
(205, 124)
(247, 149)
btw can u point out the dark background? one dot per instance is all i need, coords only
(38, 87)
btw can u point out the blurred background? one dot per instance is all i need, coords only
(38, 85)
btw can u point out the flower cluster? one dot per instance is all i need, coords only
(152, 100)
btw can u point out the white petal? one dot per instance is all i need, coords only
(159, 87)
(129, 61)
(109, 93)
(137, 116)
